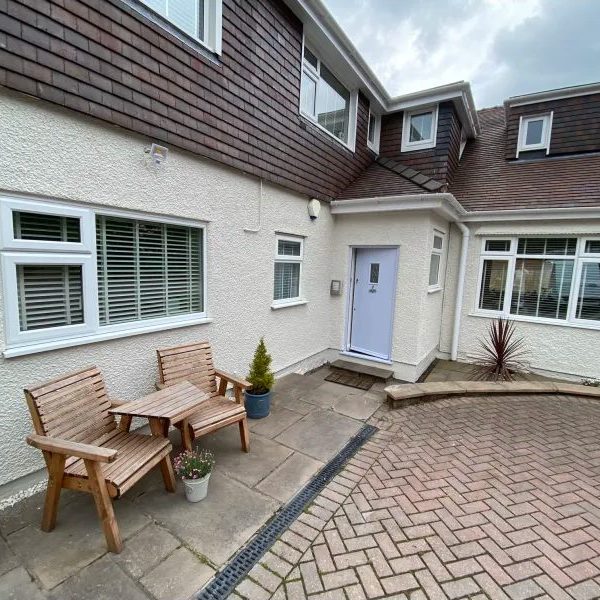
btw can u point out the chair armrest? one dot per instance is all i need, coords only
(69, 448)
(116, 402)
(238, 381)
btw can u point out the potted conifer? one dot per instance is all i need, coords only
(258, 397)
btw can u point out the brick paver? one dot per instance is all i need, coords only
(462, 498)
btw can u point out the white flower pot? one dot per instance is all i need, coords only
(196, 489)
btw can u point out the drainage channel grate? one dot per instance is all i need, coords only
(226, 580)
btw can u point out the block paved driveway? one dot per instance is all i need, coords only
(462, 498)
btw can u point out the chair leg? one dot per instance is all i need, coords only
(166, 468)
(125, 423)
(104, 506)
(56, 471)
(245, 435)
(186, 435)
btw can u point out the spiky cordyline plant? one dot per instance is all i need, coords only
(501, 353)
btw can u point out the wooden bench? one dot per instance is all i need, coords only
(194, 363)
(84, 449)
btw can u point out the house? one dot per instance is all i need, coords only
(157, 171)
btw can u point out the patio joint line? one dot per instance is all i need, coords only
(225, 581)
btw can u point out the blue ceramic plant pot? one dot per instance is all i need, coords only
(258, 406)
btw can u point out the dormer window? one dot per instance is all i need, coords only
(419, 130)
(374, 131)
(534, 133)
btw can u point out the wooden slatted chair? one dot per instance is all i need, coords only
(194, 363)
(84, 449)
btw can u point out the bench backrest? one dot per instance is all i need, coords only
(189, 362)
(73, 407)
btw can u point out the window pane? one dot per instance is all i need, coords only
(310, 58)
(371, 135)
(534, 132)
(592, 246)
(183, 13)
(497, 246)
(374, 273)
(438, 242)
(287, 281)
(493, 284)
(588, 302)
(49, 296)
(147, 270)
(308, 94)
(52, 228)
(434, 269)
(420, 127)
(333, 105)
(541, 288)
(544, 246)
(288, 248)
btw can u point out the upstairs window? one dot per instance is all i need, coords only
(534, 133)
(374, 131)
(419, 129)
(199, 19)
(325, 101)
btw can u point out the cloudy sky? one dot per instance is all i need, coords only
(503, 47)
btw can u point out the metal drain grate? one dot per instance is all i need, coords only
(226, 580)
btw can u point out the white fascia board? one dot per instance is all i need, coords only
(560, 94)
(444, 204)
(533, 214)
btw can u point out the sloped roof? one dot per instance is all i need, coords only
(485, 180)
(386, 177)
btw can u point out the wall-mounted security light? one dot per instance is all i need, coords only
(157, 153)
(314, 208)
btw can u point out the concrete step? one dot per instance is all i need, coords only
(378, 372)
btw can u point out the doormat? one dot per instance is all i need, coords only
(225, 581)
(352, 379)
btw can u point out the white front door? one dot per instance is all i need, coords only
(373, 301)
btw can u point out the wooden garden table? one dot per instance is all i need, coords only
(170, 406)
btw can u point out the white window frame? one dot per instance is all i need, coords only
(213, 23)
(579, 259)
(408, 146)
(307, 70)
(436, 287)
(546, 132)
(15, 252)
(286, 258)
(374, 145)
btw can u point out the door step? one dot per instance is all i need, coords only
(377, 372)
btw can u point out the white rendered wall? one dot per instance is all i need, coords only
(573, 352)
(58, 154)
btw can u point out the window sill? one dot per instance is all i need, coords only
(434, 289)
(98, 337)
(278, 305)
(320, 127)
(539, 321)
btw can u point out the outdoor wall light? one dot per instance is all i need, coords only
(157, 153)
(314, 208)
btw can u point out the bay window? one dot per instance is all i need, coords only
(544, 279)
(325, 101)
(59, 285)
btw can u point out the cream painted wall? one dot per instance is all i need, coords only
(562, 350)
(55, 153)
(416, 314)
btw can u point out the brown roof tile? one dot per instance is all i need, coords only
(485, 180)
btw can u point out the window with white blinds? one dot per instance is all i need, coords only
(542, 278)
(147, 270)
(140, 274)
(288, 270)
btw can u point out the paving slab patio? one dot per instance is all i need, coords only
(172, 547)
